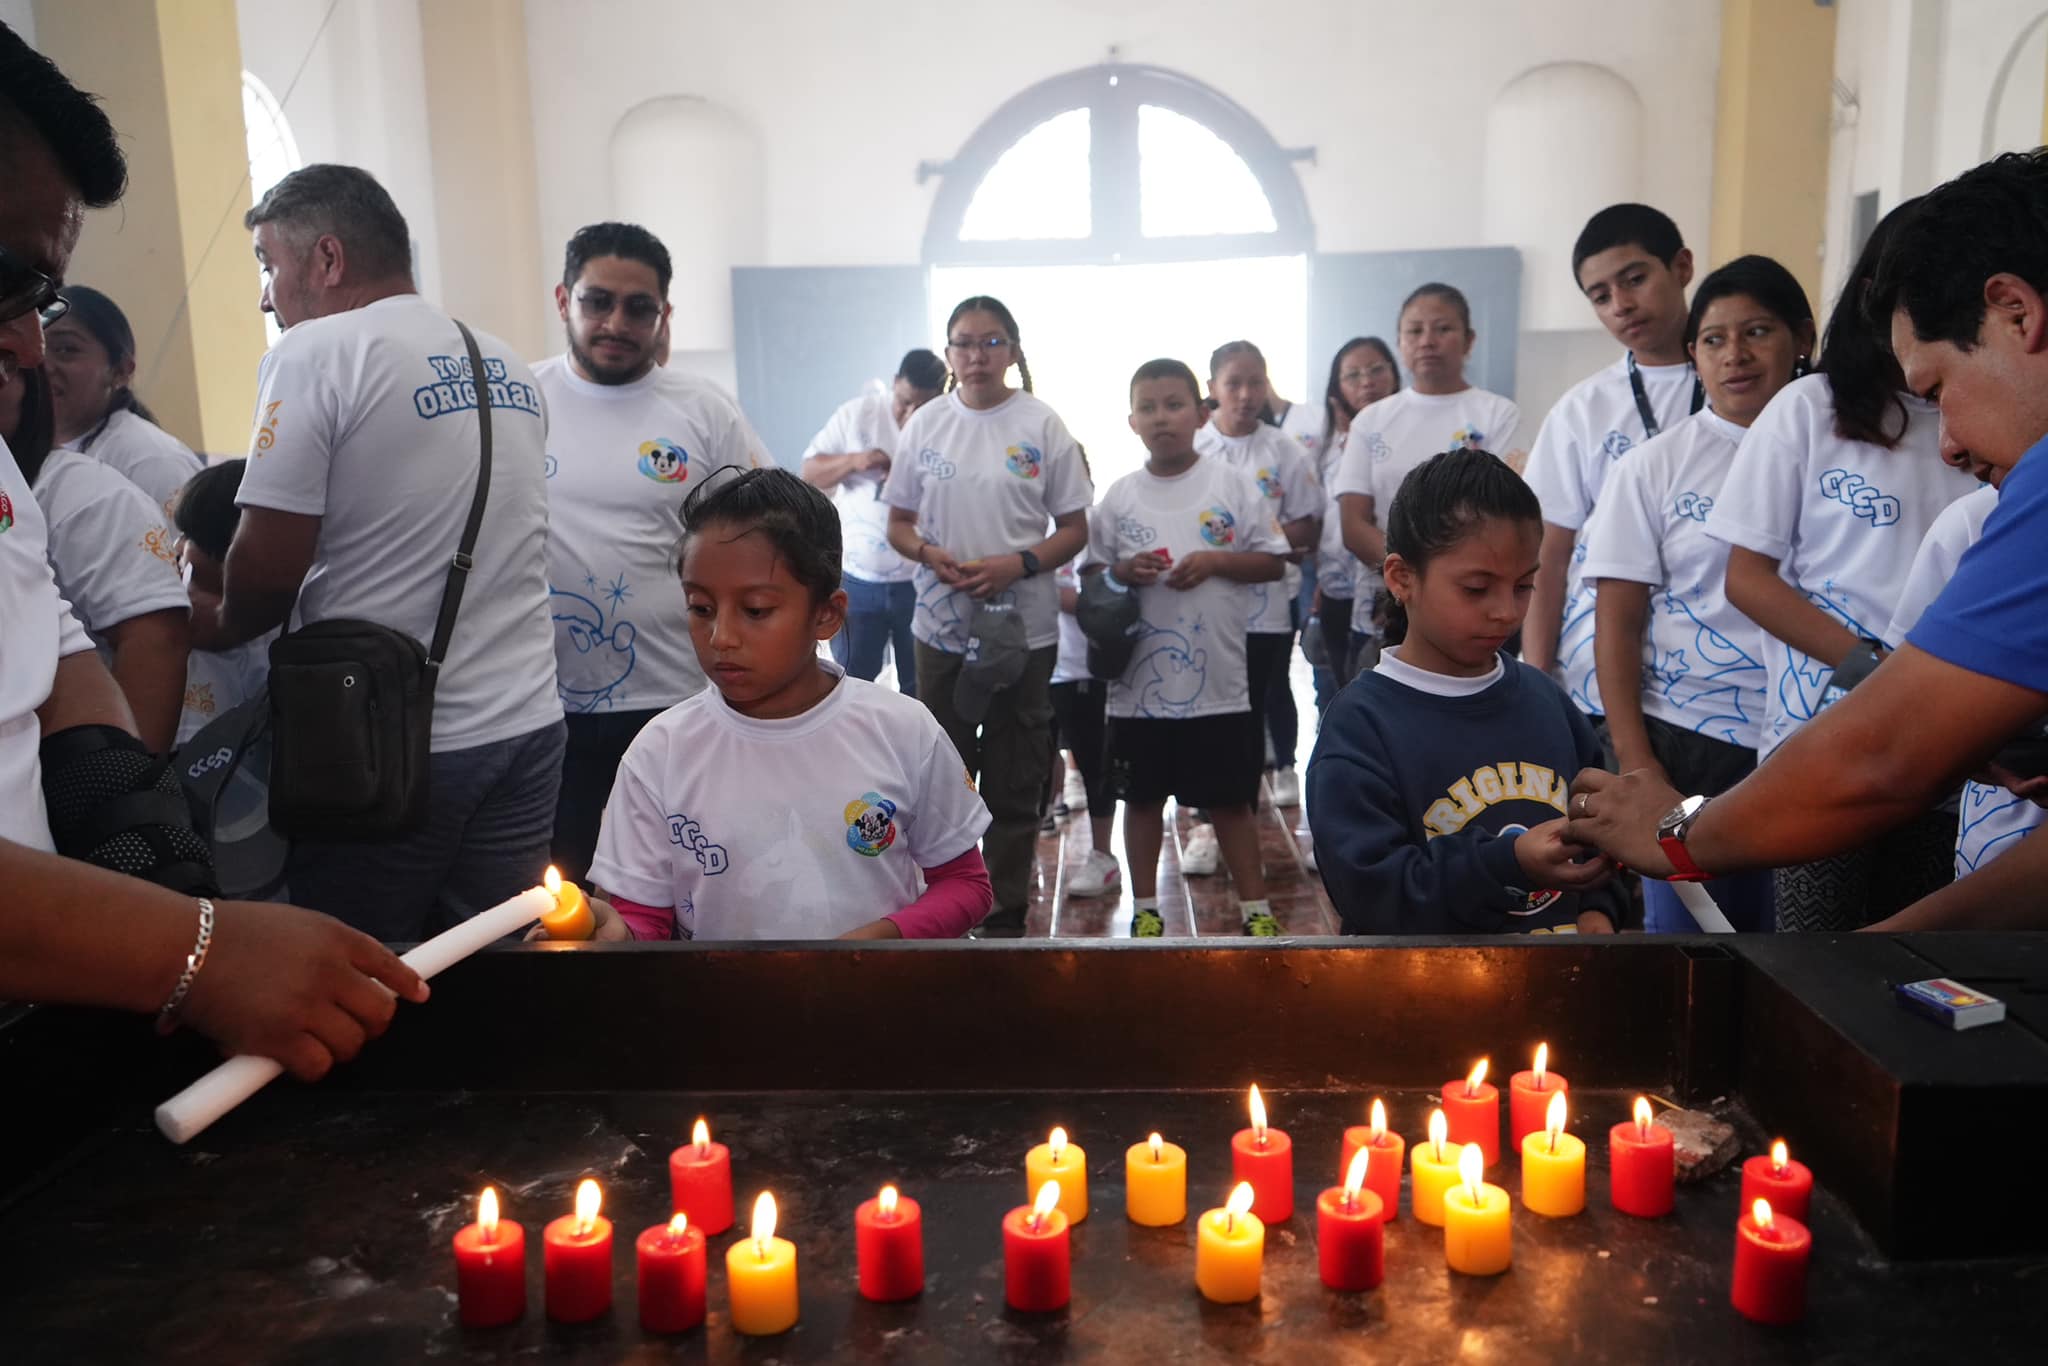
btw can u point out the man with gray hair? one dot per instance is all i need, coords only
(361, 472)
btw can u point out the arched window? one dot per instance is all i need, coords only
(273, 151)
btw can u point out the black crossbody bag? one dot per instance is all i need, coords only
(352, 702)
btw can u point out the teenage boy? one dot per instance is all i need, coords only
(1189, 535)
(1633, 267)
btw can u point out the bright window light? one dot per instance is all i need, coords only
(1038, 189)
(1190, 182)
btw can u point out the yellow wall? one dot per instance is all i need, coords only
(1771, 134)
(173, 253)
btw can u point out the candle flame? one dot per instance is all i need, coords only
(1642, 1113)
(1553, 1119)
(1048, 1200)
(764, 1224)
(700, 1137)
(1780, 1157)
(1258, 1116)
(1471, 1167)
(1476, 1079)
(1057, 1141)
(1354, 1178)
(1240, 1202)
(1379, 1122)
(487, 1214)
(886, 1202)
(1542, 1063)
(1439, 1130)
(678, 1226)
(589, 1199)
(552, 880)
(1761, 1213)
(1157, 1143)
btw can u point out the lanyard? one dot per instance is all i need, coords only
(1643, 409)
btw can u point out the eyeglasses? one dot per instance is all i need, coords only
(965, 345)
(23, 287)
(642, 310)
(1375, 371)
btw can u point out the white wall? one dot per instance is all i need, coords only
(20, 15)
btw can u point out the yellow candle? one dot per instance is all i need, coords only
(1064, 1162)
(1434, 1166)
(1477, 1238)
(1230, 1250)
(572, 917)
(1553, 1167)
(760, 1273)
(1156, 1182)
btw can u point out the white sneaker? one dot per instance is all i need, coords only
(1201, 855)
(1286, 788)
(1306, 842)
(1097, 875)
(1075, 794)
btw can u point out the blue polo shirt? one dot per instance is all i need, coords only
(1992, 619)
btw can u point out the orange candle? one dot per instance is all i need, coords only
(1434, 1168)
(1472, 1108)
(572, 917)
(1529, 1096)
(1383, 1177)
(760, 1277)
(1264, 1157)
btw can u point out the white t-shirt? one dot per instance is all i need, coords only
(621, 458)
(1190, 656)
(1308, 426)
(802, 828)
(1702, 659)
(218, 681)
(145, 454)
(1071, 665)
(40, 631)
(108, 543)
(1284, 474)
(367, 420)
(1591, 428)
(986, 483)
(1336, 567)
(1403, 430)
(1842, 518)
(866, 423)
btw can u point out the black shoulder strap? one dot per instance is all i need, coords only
(459, 567)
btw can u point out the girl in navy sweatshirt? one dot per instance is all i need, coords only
(1437, 792)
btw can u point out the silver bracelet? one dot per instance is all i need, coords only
(194, 961)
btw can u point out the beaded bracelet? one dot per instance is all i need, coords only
(194, 961)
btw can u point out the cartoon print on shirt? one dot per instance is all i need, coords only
(1268, 481)
(1803, 691)
(941, 611)
(1468, 437)
(6, 513)
(1986, 805)
(663, 461)
(1025, 460)
(1715, 672)
(1168, 672)
(1219, 528)
(870, 824)
(790, 874)
(1578, 666)
(604, 647)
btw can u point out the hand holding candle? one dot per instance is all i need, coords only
(1230, 1249)
(700, 1181)
(571, 918)
(888, 1235)
(672, 1272)
(576, 1254)
(1037, 1254)
(1351, 1229)
(1264, 1158)
(1472, 1109)
(1529, 1096)
(1435, 1169)
(1553, 1166)
(490, 1267)
(1155, 1183)
(1788, 1185)
(760, 1273)
(1771, 1253)
(1478, 1240)
(1644, 1165)
(1064, 1163)
(1383, 1177)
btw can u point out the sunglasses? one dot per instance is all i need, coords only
(597, 305)
(23, 287)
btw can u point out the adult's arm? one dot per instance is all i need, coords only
(829, 471)
(1620, 616)
(149, 665)
(1302, 535)
(1540, 629)
(84, 694)
(266, 563)
(2009, 893)
(1362, 535)
(1759, 593)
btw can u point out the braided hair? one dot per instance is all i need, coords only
(982, 303)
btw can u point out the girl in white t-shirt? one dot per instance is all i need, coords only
(1680, 669)
(988, 495)
(91, 365)
(787, 800)
(1834, 486)
(1361, 374)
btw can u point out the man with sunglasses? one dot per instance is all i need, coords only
(270, 980)
(628, 438)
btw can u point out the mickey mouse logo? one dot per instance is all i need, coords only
(663, 461)
(1219, 528)
(1024, 460)
(1269, 483)
(6, 512)
(870, 824)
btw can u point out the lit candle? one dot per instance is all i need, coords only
(1062, 1162)
(1529, 1096)
(1156, 1182)
(1771, 1252)
(1553, 1166)
(1477, 1237)
(760, 1274)
(576, 1259)
(490, 1267)
(1037, 1254)
(672, 1264)
(1434, 1165)
(888, 1237)
(1384, 1177)
(1788, 1185)
(700, 1182)
(1351, 1228)
(1264, 1157)
(1230, 1249)
(571, 917)
(1643, 1163)
(1472, 1108)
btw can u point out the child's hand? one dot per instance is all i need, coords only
(941, 562)
(1143, 570)
(1595, 922)
(1554, 862)
(885, 928)
(610, 926)
(1195, 569)
(990, 575)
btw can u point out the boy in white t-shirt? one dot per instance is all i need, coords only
(205, 516)
(1190, 535)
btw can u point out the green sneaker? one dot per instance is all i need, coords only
(1147, 923)
(1262, 925)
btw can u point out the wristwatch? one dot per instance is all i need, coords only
(1029, 561)
(1671, 833)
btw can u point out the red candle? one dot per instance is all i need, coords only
(1771, 1253)
(490, 1267)
(700, 1181)
(1644, 1165)
(576, 1254)
(888, 1235)
(1529, 1096)
(1037, 1258)
(671, 1260)
(1788, 1185)
(1383, 1177)
(1351, 1229)
(1264, 1157)
(1472, 1109)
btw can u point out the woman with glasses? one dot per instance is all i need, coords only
(90, 359)
(1361, 374)
(988, 495)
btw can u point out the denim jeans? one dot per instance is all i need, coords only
(877, 614)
